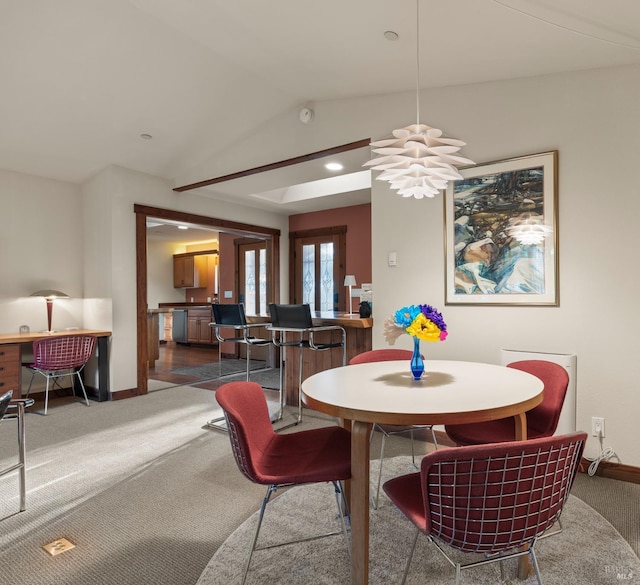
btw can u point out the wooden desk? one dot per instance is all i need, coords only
(450, 392)
(11, 345)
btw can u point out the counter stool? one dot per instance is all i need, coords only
(231, 316)
(295, 321)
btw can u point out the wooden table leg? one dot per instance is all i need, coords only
(360, 502)
(524, 563)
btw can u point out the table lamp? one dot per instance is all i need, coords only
(49, 295)
(349, 281)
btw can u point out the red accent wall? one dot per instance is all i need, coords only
(357, 218)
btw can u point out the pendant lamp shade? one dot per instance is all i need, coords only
(418, 161)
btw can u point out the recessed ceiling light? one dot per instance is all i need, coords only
(333, 166)
(390, 35)
(146, 136)
(183, 227)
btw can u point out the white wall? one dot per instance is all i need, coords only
(41, 240)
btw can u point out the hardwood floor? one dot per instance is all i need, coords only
(175, 355)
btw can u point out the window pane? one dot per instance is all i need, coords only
(250, 282)
(326, 276)
(309, 275)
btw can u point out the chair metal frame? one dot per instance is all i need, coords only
(242, 425)
(496, 500)
(60, 356)
(383, 355)
(232, 316)
(14, 409)
(297, 321)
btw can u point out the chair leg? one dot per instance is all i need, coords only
(248, 359)
(22, 458)
(433, 437)
(270, 490)
(340, 500)
(413, 548)
(84, 391)
(46, 396)
(375, 501)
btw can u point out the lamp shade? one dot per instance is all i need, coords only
(349, 280)
(50, 294)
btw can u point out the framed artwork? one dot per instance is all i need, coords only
(501, 233)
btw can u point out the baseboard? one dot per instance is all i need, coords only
(613, 470)
(608, 469)
(121, 394)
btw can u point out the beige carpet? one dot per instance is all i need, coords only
(589, 551)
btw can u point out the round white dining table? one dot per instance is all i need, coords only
(450, 392)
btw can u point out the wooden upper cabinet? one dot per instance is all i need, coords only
(189, 271)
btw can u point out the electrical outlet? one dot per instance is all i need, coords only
(597, 426)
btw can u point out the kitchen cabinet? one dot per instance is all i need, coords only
(198, 330)
(189, 271)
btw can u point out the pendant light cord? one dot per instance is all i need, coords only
(417, 62)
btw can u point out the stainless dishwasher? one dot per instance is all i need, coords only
(179, 332)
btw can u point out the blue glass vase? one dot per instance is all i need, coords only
(417, 365)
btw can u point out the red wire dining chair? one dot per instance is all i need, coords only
(495, 499)
(60, 356)
(385, 355)
(542, 421)
(281, 460)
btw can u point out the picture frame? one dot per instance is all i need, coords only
(501, 233)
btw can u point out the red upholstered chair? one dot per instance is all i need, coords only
(60, 356)
(387, 355)
(281, 460)
(495, 499)
(542, 420)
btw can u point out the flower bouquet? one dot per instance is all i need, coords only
(421, 322)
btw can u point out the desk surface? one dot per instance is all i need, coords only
(35, 335)
(450, 392)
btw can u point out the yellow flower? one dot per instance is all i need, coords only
(424, 329)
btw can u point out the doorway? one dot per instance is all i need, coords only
(143, 212)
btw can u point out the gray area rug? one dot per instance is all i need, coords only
(234, 370)
(589, 551)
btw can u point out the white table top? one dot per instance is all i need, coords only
(449, 392)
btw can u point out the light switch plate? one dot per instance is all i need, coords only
(228, 294)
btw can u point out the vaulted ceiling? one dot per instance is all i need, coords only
(82, 80)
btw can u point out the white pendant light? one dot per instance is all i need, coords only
(419, 161)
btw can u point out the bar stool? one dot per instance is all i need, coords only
(296, 321)
(14, 408)
(232, 316)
